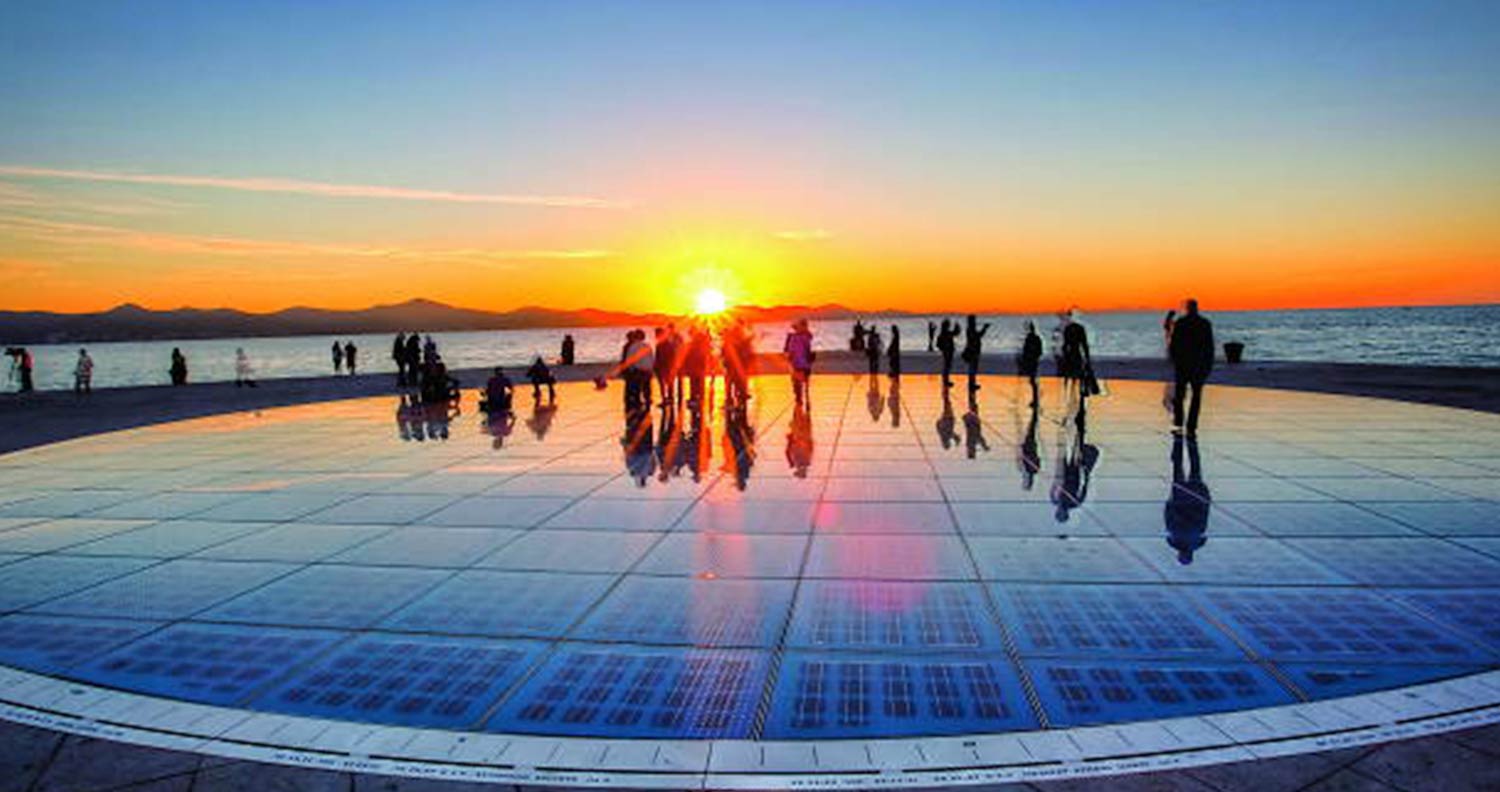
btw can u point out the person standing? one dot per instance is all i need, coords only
(1192, 353)
(873, 349)
(413, 359)
(244, 375)
(179, 369)
(83, 373)
(947, 347)
(664, 365)
(398, 356)
(893, 354)
(973, 344)
(566, 356)
(1030, 361)
(799, 355)
(351, 353)
(931, 335)
(1167, 323)
(338, 358)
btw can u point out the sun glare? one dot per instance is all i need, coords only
(709, 302)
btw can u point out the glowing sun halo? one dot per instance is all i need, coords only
(710, 301)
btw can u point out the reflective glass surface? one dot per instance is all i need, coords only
(897, 559)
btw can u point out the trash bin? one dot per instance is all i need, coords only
(1233, 351)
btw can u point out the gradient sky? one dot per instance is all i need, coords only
(981, 156)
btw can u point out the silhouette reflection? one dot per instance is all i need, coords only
(799, 441)
(894, 401)
(639, 442)
(499, 425)
(418, 422)
(739, 445)
(974, 429)
(874, 399)
(1188, 503)
(946, 423)
(1076, 459)
(1028, 455)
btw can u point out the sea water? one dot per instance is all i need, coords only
(1448, 335)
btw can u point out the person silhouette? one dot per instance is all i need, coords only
(1188, 502)
(244, 373)
(947, 347)
(1192, 353)
(1029, 362)
(946, 423)
(974, 430)
(664, 363)
(857, 340)
(538, 374)
(337, 353)
(565, 357)
(798, 350)
(973, 348)
(931, 335)
(1028, 454)
(1168, 322)
(83, 374)
(398, 356)
(351, 354)
(499, 393)
(893, 353)
(873, 350)
(1077, 368)
(178, 371)
(413, 359)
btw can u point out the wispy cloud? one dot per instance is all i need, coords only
(169, 243)
(325, 189)
(803, 235)
(16, 196)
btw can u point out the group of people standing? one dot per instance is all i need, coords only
(345, 357)
(682, 365)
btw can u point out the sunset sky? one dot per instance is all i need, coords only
(918, 155)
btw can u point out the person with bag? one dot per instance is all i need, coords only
(1077, 368)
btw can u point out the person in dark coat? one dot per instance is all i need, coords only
(1029, 362)
(893, 353)
(566, 358)
(398, 356)
(350, 353)
(1192, 353)
(179, 370)
(948, 347)
(931, 335)
(973, 343)
(413, 359)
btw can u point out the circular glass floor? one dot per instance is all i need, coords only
(893, 562)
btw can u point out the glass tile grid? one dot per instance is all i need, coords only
(437, 682)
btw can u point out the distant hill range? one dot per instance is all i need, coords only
(134, 323)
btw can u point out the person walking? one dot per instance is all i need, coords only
(244, 375)
(947, 347)
(1076, 367)
(893, 354)
(1192, 353)
(179, 369)
(351, 354)
(398, 356)
(83, 373)
(1029, 362)
(799, 355)
(337, 352)
(973, 343)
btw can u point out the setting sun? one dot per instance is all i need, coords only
(710, 301)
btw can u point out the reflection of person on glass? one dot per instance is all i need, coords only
(946, 423)
(639, 442)
(799, 442)
(1188, 503)
(874, 400)
(1076, 459)
(739, 446)
(540, 421)
(894, 402)
(1028, 455)
(973, 429)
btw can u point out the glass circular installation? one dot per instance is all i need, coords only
(896, 560)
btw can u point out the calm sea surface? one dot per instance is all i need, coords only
(1455, 335)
